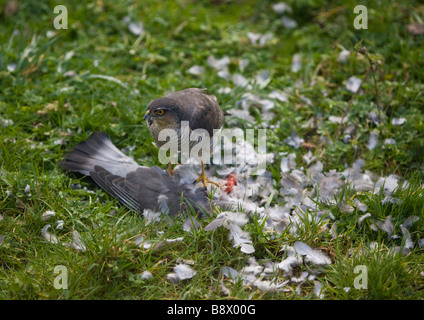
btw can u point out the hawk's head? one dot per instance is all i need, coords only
(162, 113)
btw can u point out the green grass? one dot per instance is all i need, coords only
(44, 113)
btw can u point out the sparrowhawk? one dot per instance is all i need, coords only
(200, 109)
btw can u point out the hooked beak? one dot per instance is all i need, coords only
(148, 117)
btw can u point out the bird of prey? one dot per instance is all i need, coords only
(137, 187)
(200, 109)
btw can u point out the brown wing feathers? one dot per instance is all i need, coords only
(199, 108)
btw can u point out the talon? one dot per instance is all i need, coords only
(169, 169)
(204, 179)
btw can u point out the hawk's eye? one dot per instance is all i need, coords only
(159, 112)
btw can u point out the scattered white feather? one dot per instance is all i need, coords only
(191, 224)
(240, 81)
(289, 263)
(184, 271)
(337, 119)
(70, 74)
(281, 7)
(372, 141)
(196, 70)
(374, 117)
(360, 206)
(48, 236)
(150, 216)
(217, 222)
(249, 279)
(259, 39)
(309, 158)
(146, 275)
(409, 244)
(179, 239)
(294, 140)
(224, 74)
(317, 289)
(386, 226)
(173, 277)
(47, 215)
(225, 90)
(390, 184)
(343, 56)
(262, 79)
(76, 243)
(390, 199)
(224, 290)
(398, 121)
(233, 221)
(139, 241)
(254, 37)
(389, 141)
(227, 218)
(136, 28)
(268, 286)
(302, 278)
(11, 67)
(329, 185)
(241, 239)
(69, 55)
(374, 245)
(296, 63)
(410, 220)
(288, 23)
(218, 64)
(288, 163)
(311, 255)
(362, 218)
(186, 261)
(229, 272)
(146, 245)
(5, 123)
(278, 95)
(242, 64)
(353, 84)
